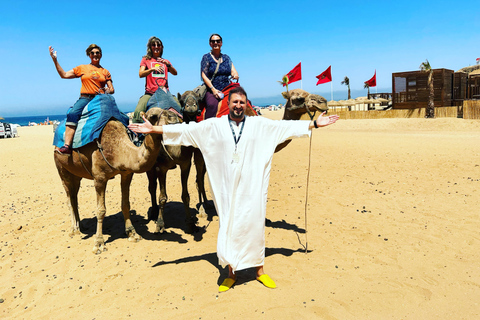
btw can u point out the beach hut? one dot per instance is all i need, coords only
(410, 89)
(474, 84)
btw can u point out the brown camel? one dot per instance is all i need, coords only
(120, 156)
(299, 104)
(167, 159)
(298, 101)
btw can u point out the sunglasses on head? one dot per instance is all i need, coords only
(95, 53)
(216, 41)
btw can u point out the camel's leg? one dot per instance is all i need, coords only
(162, 198)
(100, 187)
(201, 170)
(185, 172)
(152, 189)
(129, 229)
(71, 183)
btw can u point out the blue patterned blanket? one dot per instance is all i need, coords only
(95, 116)
(166, 101)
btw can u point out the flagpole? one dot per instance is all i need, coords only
(301, 80)
(331, 88)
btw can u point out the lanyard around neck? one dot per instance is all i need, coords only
(235, 138)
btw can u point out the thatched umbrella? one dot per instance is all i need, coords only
(364, 101)
(333, 103)
(351, 102)
(2, 118)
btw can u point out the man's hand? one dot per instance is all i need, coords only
(145, 127)
(325, 121)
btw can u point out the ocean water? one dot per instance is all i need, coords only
(24, 121)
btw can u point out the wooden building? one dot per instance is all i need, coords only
(411, 91)
(473, 91)
(460, 87)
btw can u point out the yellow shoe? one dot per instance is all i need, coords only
(267, 281)
(226, 284)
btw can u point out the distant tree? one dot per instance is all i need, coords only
(366, 86)
(284, 81)
(430, 111)
(346, 82)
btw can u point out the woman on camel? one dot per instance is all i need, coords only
(94, 78)
(155, 70)
(216, 81)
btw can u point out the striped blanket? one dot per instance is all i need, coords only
(95, 116)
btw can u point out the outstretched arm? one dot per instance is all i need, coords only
(64, 75)
(323, 121)
(145, 127)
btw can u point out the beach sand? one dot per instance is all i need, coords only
(392, 228)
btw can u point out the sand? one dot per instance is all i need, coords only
(392, 230)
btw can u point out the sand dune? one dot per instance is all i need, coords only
(392, 229)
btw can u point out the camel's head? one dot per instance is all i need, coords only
(190, 102)
(299, 100)
(158, 116)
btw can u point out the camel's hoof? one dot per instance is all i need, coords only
(99, 249)
(74, 232)
(160, 226)
(201, 213)
(134, 238)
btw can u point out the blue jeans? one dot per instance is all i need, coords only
(74, 114)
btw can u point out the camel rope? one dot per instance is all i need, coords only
(99, 145)
(306, 193)
(84, 166)
(312, 116)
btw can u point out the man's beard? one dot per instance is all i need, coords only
(234, 115)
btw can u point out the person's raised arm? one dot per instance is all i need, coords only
(64, 75)
(145, 127)
(323, 121)
(170, 68)
(110, 88)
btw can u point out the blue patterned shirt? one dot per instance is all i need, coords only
(209, 65)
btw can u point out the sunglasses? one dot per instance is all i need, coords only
(215, 41)
(93, 53)
(157, 45)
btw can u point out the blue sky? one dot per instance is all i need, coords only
(265, 40)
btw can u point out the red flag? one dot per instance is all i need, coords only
(295, 74)
(325, 76)
(373, 81)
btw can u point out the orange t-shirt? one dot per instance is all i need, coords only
(93, 78)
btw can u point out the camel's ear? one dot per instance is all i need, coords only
(286, 95)
(142, 114)
(179, 97)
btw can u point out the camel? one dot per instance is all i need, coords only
(167, 159)
(298, 102)
(117, 155)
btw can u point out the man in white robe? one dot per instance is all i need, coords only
(238, 153)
